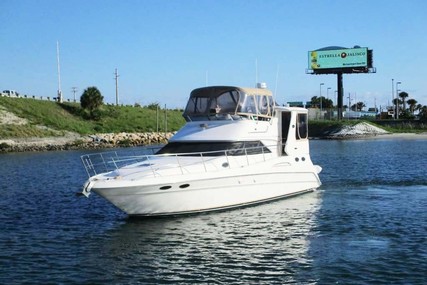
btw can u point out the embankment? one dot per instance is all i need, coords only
(74, 141)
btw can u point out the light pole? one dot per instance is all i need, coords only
(349, 104)
(327, 97)
(321, 99)
(397, 99)
(392, 92)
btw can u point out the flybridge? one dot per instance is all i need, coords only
(229, 102)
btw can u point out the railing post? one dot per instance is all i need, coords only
(201, 156)
(228, 162)
(263, 153)
(179, 163)
(151, 167)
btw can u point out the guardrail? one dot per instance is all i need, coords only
(98, 163)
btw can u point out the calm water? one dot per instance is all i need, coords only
(366, 225)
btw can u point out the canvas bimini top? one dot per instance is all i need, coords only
(229, 102)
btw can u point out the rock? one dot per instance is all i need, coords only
(359, 130)
(95, 141)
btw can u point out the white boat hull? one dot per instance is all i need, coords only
(202, 194)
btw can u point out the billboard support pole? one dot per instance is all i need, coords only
(340, 95)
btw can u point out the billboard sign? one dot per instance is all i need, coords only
(351, 58)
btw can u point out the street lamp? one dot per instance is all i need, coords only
(397, 99)
(392, 92)
(321, 99)
(349, 104)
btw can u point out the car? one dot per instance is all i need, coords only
(10, 93)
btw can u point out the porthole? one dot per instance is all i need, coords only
(165, 187)
(303, 158)
(184, 186)
(225, 164)
(296, 159)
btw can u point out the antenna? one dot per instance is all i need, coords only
(59, 73)
(277, 79)
(256, 71)
(116, 77)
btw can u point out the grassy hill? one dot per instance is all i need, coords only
(47, 118)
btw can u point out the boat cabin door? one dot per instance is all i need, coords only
(285, 123)
(293, 132)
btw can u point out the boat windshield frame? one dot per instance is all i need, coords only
(229, 103)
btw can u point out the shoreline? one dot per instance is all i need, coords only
(103, 141)
(73, 141)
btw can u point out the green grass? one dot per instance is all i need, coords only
(113, 119)
(70, 117)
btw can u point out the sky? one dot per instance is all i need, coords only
(163, 49)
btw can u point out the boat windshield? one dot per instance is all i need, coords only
(222, 102)
(215, 148)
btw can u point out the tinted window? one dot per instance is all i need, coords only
(302, 126)
(218, 148)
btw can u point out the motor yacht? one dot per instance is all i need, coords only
(237, 148)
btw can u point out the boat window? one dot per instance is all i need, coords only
(225, 103)
(248, 105)
(302, 126)
(263, 105)
(286, 120)
(200, 107)
(197, 105)
(215, 148)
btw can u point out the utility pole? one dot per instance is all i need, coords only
(397, 100)
(116, 77)
(74, 90)
(157, 118)
(59, 74)
(321, 103)
(392, 97)
(166, 120)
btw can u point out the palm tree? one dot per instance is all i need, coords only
(91, 100)
(412, 105)
(423, 113)
(396, 102)
(403, 95)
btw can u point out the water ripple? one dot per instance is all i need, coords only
(366, 225)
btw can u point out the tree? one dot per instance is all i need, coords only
(423, 113)
(412, 105)
(321, 101)
(403, 95)
(91, 100)
(154, 106)
(358, 106)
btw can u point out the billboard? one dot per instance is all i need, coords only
(333, 59)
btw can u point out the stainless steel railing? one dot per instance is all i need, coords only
(98, 163)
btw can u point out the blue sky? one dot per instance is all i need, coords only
(164, 49)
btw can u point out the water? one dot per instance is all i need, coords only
(366, 225)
